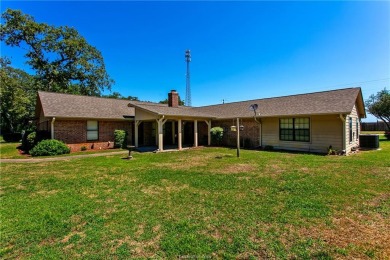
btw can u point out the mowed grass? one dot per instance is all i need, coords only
(203, 203)
(10, 151)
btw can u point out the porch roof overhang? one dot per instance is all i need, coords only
(160, 110)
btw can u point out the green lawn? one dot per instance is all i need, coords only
(202, 203)
(10, 151)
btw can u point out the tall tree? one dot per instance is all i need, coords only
(62, 58)
(118, 95)
(379, 106)
(17, 95)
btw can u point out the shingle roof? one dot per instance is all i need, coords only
(327, 102)
(75, 106)
(164, 109)
(339, 101)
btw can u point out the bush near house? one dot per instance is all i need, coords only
(120, 139)
(30, 139)
(216, 135)
(49, 147)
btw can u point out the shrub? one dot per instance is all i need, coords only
(12, 137)
(49, 147)
(83, 148)
(216, 135)
(387, 135)
(120, 139)
(30, 139)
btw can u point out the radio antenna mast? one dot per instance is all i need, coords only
(188, 86)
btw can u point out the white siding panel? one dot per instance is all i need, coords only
(325, 131)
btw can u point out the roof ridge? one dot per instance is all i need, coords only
(78, 95)
(293, 95)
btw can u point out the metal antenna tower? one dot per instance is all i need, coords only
(188, 86)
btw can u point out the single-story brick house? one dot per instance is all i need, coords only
(82, 120)
(306, 122)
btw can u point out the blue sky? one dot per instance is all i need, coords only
(240, 50)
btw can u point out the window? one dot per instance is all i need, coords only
(357, 129)
(92, 130)
(294, 129)
(350, 129)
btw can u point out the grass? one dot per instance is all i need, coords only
(10, 151)
(203, 203)
(381, 133)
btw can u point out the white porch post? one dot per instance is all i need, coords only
(173, 132)
(137, 123)
(195, 133)
(160, 123)
(208, 132)
(179, 134)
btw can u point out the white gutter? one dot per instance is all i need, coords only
(344, 131)
(52, 127)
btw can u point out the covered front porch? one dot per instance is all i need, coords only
(171, 133)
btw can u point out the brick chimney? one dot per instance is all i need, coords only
(173, 99)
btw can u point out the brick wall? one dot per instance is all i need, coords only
(249, 137)
(70, 131)
(75, 131)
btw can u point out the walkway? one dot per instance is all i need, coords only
(62, 158)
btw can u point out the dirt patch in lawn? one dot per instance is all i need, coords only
(142, 248)
(235, 168)
(275, 168)
(367, 233)
(167, 187)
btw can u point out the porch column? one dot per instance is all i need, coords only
(173, 132)
(208, 122)
(160, 123)
(136, 124)
(195, 133)
(179, 134)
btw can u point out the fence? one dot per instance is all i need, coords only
(376, 126)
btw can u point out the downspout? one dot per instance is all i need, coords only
(344, 130)
(52, 127)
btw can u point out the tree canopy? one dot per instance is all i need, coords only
(62, 58)
(118, 95)
(379, 106)
(17, 95)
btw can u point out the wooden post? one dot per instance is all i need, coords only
(195, 133)
(160, 123)
(179, 140)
